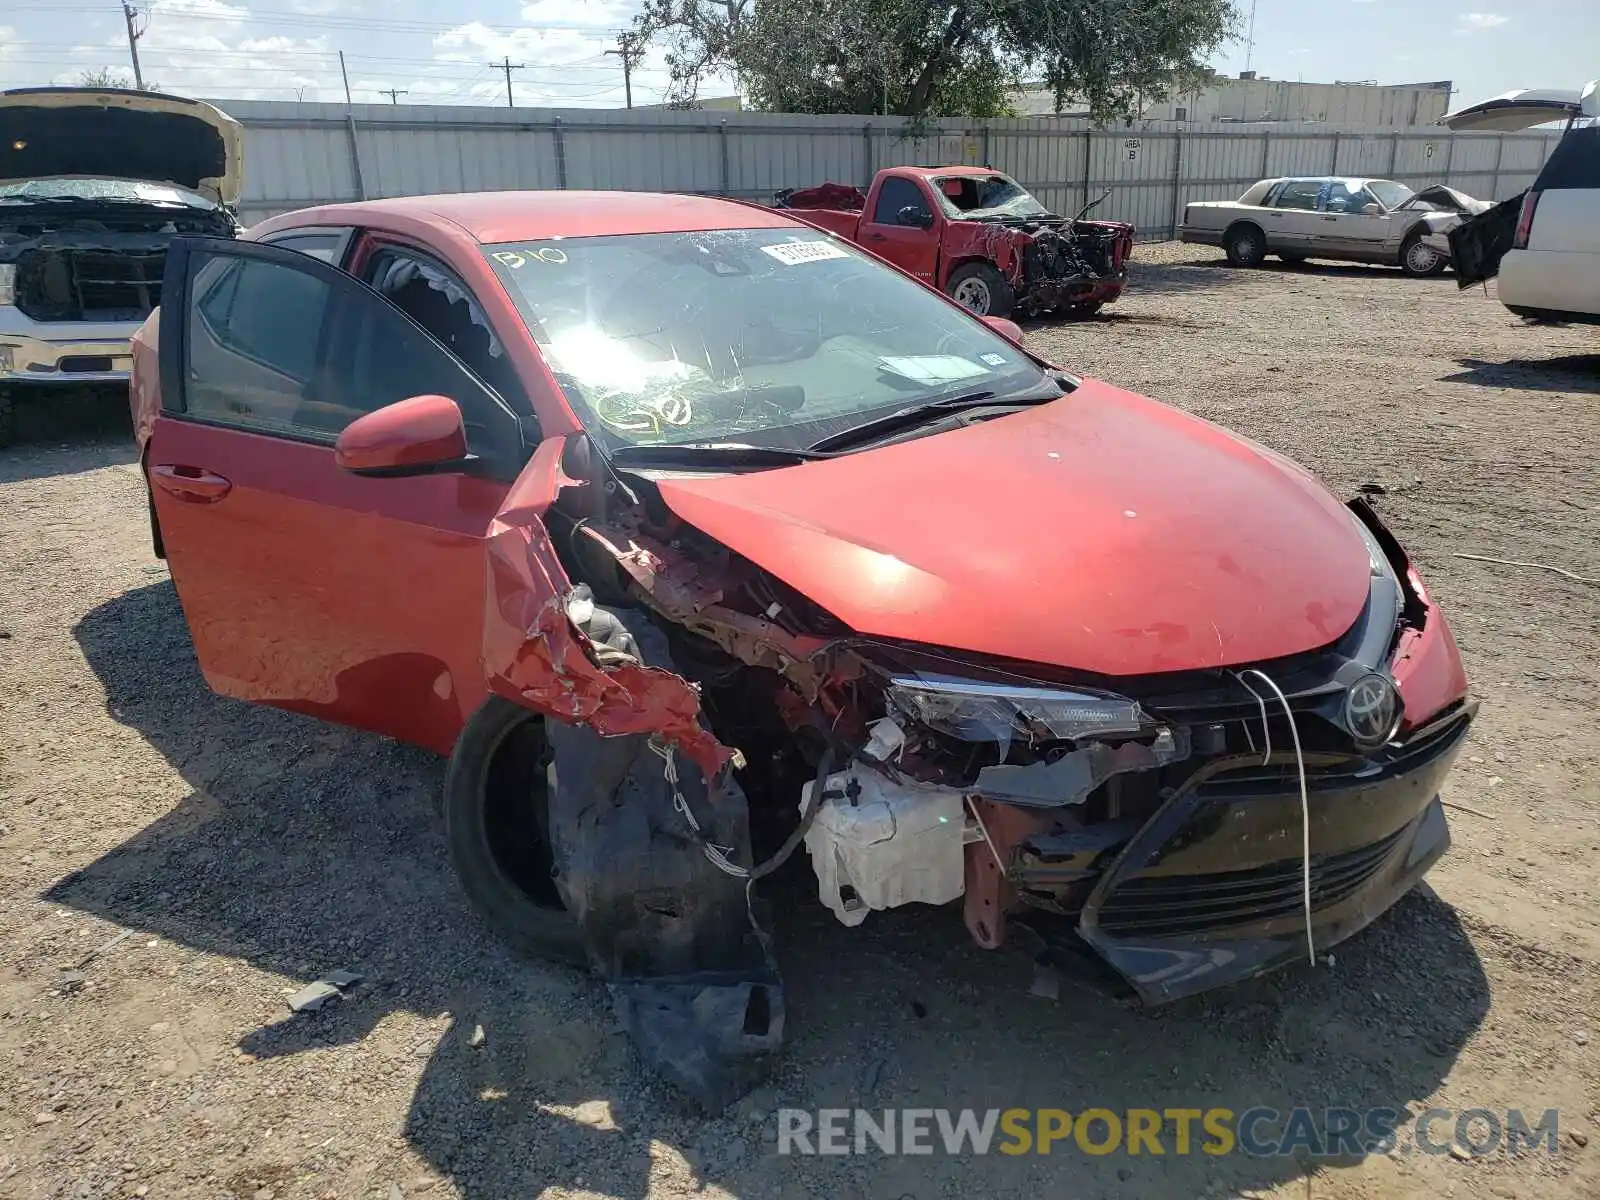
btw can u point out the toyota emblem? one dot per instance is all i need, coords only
(1371, 709)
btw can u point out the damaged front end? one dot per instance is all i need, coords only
(1073, 264)
(1149, 827)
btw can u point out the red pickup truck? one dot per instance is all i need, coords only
(978, 236)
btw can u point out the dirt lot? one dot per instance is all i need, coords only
(247, 851)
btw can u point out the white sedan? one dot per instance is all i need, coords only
(1360, 220)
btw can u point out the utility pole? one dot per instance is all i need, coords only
(346, 76)
(394, 94)
(508, 66)
(129, 12)
(629, 51)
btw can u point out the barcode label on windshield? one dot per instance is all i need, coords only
(792, 254)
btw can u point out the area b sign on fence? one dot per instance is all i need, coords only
(1131, 148)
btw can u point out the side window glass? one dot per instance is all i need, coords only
(1301, 194)
(895, 194)
(439, 303)
(253, 336)
(1342, 198)
(276, 349)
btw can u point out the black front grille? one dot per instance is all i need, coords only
(1178, 905)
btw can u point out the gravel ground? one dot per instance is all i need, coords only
(219, 856)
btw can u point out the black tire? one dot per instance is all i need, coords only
(8, 418)
(976, 279)
(495, 796)
(1424, 265)
(1083, 310)
(1245, 245)
(1293, 260)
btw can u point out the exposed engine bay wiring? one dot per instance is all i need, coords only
(1305, 799)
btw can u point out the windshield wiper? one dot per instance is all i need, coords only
(726, 453)
(917, 414)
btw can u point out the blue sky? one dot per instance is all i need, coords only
(287, 49)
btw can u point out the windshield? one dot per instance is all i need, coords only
(119, 190)
(1390, 195)
(768, 337)
(974, 197)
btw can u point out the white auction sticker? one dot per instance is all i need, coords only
(792, 254)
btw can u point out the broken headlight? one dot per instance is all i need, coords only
(1377, 561)
(985, 712)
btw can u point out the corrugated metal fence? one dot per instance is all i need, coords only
(298, 155)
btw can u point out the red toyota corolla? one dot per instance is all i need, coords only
(693, 534)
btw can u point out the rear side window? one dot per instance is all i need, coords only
(1575, 163)
(277, 349)
(895, 194)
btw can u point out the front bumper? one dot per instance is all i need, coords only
(1209, 891)
(64, 352)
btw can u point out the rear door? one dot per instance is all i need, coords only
(359, 600)
(888, 230)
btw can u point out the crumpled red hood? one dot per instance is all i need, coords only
(1103, 532)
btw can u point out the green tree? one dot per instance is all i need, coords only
(105, 77)
(925, 58)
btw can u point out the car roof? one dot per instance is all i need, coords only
(947, 172)
(491, 217)
(1358, 180)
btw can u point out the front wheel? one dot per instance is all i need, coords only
(496, 823)
(1245, 246)
(1421, 260)
(981, 290)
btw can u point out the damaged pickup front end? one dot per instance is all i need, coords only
(1164, 833)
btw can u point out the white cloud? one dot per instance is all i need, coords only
(1475, 20)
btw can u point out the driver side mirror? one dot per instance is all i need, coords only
(420, 436)
(915, 216)
(1372, 210)
(1005, 327)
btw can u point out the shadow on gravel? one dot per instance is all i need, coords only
(306, 848)
(1565, 373)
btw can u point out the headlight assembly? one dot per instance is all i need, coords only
(984, 712)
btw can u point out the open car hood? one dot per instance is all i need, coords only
(110, 133)
(1524, 109)
(1103, 532)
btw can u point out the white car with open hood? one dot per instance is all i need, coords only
(94, 184)
(1358, 220)
(1545, 243)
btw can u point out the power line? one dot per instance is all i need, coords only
(508, 66)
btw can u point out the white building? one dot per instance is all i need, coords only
(1252, 98)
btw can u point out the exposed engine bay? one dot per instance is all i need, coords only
(1123, 829)
(75, 259)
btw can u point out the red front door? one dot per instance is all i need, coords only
(360, 600)
(892, 228)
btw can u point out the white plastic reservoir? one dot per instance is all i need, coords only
(878, 843)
